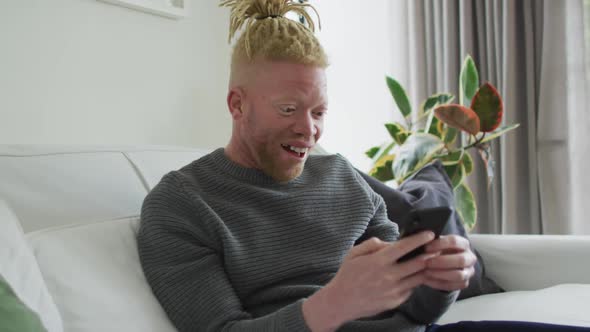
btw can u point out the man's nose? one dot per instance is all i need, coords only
(305, 125)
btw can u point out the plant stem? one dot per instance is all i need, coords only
(469, 146)
(480, 139)
(409, 124)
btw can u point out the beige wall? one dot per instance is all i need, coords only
(87, 72)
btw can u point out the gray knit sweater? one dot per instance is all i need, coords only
(226, 248)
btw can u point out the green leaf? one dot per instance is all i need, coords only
(430, 103)
(428, 124)
(372, 151)
(400, 96)
(457, 158)
(458, 116)
(499, 132)
(435, 100)
(384, 150)
(416, 152)
(382, 169)
(487, 104)
(396, 132)
(456, 173)
(435, 128)
(467, 163)
(450, 135)
(465, 203)
(402, 137)
(452, 158)
(469, 81)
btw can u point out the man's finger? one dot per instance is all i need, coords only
(412, 266)
(445, 285)
(458, 275)
(411, 282)
(446, 242)
(405, 245)
(454, 261)
(367, 247)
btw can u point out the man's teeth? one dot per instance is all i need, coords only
(298, 150)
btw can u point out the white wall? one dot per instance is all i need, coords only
(87, 72)
(361, 41)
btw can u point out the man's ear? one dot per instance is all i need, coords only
(235, 100)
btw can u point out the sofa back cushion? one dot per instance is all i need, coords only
(20, 270)
(152, 165)
(51, 186)
(94, 274)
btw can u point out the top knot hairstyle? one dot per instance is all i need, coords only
(269, 35)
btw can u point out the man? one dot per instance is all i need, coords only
(260, 236)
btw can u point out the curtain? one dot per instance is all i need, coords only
(530, 50)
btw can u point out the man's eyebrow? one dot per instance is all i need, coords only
(301, 92)
(323, 104)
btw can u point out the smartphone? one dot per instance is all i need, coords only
(431, 219)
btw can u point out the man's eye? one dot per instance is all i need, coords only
(319, 114)
(287, 109)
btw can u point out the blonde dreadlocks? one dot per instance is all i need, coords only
(269, 35)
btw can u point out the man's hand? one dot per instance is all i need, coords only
(453, 267)
(368, 282)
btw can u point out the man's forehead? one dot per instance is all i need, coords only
(288, 73)
(281, 80)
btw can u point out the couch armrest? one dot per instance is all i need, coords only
(528, 262)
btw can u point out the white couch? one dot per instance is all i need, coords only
(67, 238)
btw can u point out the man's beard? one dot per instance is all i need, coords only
(272, 168)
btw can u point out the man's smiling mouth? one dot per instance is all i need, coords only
(299, 152)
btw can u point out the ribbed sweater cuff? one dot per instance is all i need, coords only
(427, 305)
(292, 316)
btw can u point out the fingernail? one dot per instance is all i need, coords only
(431, 235)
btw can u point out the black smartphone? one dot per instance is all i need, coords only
(431, 219)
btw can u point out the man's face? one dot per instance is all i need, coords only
(282, 115)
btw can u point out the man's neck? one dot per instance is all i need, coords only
(234, 152)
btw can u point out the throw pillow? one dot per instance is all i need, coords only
(15, 316)
(431, 187)
(94, 272)
(18, 266)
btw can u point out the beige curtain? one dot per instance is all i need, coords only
(532, 50)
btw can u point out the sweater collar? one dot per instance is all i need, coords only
(251, 175)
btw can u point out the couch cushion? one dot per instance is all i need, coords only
(565, 304)
(529, 262)
(52, 186)
(153, 164)
(19, 268)
(106, 291)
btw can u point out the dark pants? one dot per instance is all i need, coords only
(503, 326)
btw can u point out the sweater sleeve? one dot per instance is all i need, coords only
(185, 270)
(427, 305)
(379, 226)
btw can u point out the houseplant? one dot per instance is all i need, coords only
(430, 132)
